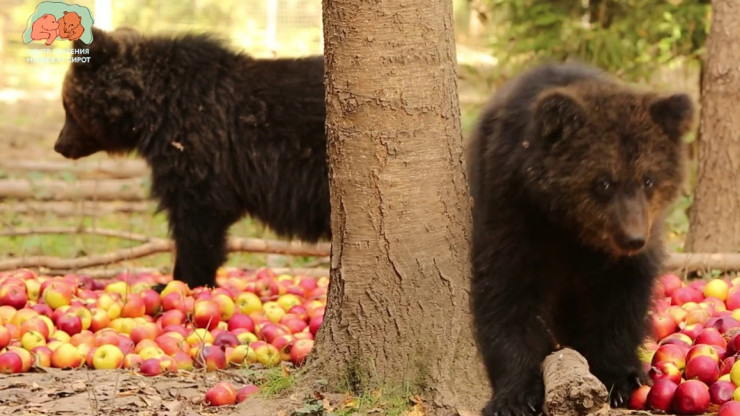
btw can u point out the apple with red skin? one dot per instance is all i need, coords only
(152, 302)
(222, 393)
(660, 396)
(726, 365)
(4, 337)
(638, 398)
(134, 306)
(225, 339)
(686, 294)
(125, 344)
(691, 398)
(14, 295)
(710, 336)
(179, 329)
(206, 314)
(670, 283)
(300, 350)
(723, 323)
(43, 309)
(246, 391)
(721, 391)
(663, 325)
(270, 331)
(69, 323)
(172, 317)
(211, 358)
(692, 330)
(173, 301)
(240, 320)
(10, 363)
(41, 356)
(665, 370)
(315, 323)
(731, 408)
(733, 299)
(702, 368)
(703, 349)
(150, 367)
(66, 356)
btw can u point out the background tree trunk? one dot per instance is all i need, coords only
(398, 312)
(715, 213)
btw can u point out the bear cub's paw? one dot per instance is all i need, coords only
(522, 402)
(621, 388)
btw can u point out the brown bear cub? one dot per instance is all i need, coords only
(224, 134)
(571, 174)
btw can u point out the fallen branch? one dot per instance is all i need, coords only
(55, 190)
(14, 232)
(76, 208)
(114, 272)
(158, 245)
(106, 168)
(570, 389)
(703, 261)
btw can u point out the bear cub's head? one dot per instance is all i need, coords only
(100, 97)
(609, 160)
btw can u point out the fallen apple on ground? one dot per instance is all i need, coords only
(73, 321)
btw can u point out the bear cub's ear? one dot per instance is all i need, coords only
(103, 48)
(674, 113)
(558, 113)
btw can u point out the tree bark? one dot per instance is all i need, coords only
(398, 312)
(715, 213)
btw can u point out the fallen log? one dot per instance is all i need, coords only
(570, 389)
(703, 261)
(158, 245)
(76, 208)
(88, 189)
(106, 168)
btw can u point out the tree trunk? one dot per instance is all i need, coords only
(398, 313)
(715, 213)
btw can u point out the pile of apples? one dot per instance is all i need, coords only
(73, 321)
(692, 354)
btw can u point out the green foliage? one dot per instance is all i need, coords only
(630, 38)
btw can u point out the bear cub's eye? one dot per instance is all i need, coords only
(648, 182)
(604, 187)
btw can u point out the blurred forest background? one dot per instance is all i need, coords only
(655, 42)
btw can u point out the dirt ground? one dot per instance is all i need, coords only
(123, 393)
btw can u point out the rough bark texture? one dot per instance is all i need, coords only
(570, 389)
(715, 213)
(398, 312)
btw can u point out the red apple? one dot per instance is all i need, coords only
(206, 314)
(665, 370)
(240, 320)
(726, 365)
(703, 349)
(692, 330)
(710, 336)
(686, 294)
(721, 391)
(639, 397)
(702, 368)
(211, 358)
(13, 295)
(245, 392)
(222, 393)
(315, 324)
(661, 395)
(301, 348)
(69, 323)
(733, 299)
(152, 302)
(691, 398)
(723, 323)
(731, 408)
(663, 325)
(66, 355)
(224, 339)
(670, 283)
(134, 306)
(172, 317)
(150, 367)
(10, 362)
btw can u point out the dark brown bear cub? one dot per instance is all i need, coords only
(224, 134)
(571, 174)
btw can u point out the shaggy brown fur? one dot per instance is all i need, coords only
(225, 135)
(571, 174)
